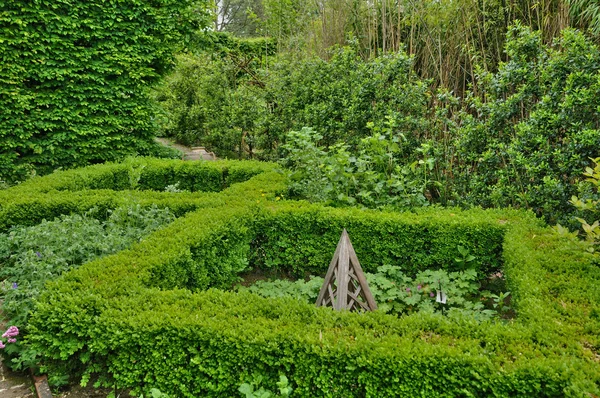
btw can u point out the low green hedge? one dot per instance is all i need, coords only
(150, 316)
(102, 186)
(302, 238)
(144, 174)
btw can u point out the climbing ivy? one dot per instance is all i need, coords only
(74, 76)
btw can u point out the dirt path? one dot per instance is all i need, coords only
(193, 153)
(15, 385)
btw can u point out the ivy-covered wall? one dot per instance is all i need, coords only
(74, 75)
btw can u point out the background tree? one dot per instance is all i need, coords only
(240, 17)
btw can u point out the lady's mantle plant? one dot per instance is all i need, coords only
(397, 293)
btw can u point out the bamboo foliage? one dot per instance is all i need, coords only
(447, 38)
(586, 13)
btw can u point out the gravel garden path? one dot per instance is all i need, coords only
(189, 153)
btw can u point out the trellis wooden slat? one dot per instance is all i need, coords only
(345, 286)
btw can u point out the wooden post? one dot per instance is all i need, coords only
(345, 286)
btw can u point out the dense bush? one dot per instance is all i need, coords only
(75, 74)
(134, 321)
(346, 98)
(216, 98)
(144, 179)
(374, 175)
(246, 112)
(301, 239)
(520, 137)
(534, 126)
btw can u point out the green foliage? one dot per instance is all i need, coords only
(155, 393)
(32, 256)
(535, 125)
(374, 177)
(381, 138)
(397, 293)
(591, 206)
(216, 97)
(235, 48)
(347, 98)
(306, 291)
(446, 37)
(116, 320)
(164, 152)
(302, 238)
(287, 20)
(248, 390)
(74, 78)
(204, 103)
(586, 12)
(240, 104)
(499, 303)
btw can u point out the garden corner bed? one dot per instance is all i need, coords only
(155, 315)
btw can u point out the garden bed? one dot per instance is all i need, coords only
(148, 316)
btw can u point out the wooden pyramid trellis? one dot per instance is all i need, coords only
(345, 286)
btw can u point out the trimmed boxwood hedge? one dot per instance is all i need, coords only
(151, 316)
(301, 238)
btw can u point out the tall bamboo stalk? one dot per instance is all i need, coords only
(446, 37)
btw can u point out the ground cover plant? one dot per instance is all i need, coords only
(397, 293)
(32, 256)
(147, 317)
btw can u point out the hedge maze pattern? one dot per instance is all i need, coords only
(154, 315)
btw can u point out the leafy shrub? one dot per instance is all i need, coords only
(244, 104)
(78, 191)
(591, 205)
(374, 177)
(300, 239)
(216, 98)
(75, 76)
(347, 98)
(533, 125)
(519, 138)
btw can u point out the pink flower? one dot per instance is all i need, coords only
(12, 331)
(2, 345)
(431, 294)
(11, 340)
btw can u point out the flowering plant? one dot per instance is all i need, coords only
(10, 336)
